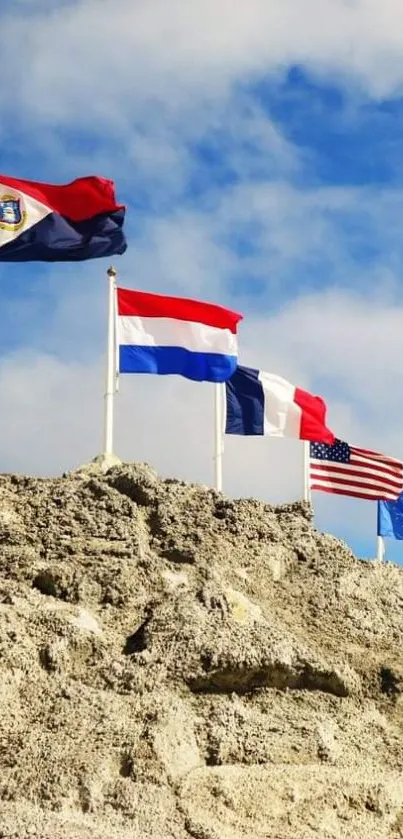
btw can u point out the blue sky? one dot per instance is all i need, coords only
(259, 154)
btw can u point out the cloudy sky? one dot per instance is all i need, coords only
(257, 145)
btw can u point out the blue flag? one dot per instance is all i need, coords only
(390, 518)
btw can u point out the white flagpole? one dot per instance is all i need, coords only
(110, 389)
(307, 483)
(380, 541)
(380, 548)
(218, 435)
(116, 334)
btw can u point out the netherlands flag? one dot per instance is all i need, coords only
(260, 403)
(175, 335)
(50, 223)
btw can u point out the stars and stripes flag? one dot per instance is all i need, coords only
(349, 470)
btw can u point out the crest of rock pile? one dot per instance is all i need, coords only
(178, 665)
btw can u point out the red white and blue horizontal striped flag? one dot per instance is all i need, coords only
(174, 335)
(51, 223)
(349, 470)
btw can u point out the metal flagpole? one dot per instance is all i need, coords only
(380, 548)
(218, 434)
(116, 333)
(110, 389)
(307, 483)
(380, 541)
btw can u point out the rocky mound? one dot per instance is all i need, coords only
(176, 665)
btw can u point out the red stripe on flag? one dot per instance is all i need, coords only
(313, 417)
(367, 473)
(141, 304)
(392, 461)
(353, 493)
(390, 472)
(82, 199)
(372, 482)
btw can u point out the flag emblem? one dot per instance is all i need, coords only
(11, 216)
(42, 222)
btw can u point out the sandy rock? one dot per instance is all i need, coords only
(175, 664)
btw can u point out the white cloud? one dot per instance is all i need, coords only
(95, 59)
(50, 417)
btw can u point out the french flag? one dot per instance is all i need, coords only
(175, 335)
(261, 403)
(50, 223)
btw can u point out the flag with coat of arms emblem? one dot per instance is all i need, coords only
(59, 223)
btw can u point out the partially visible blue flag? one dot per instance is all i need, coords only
(390, 518)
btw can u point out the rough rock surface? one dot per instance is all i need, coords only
(178, 665)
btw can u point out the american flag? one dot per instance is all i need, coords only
(360, 473)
